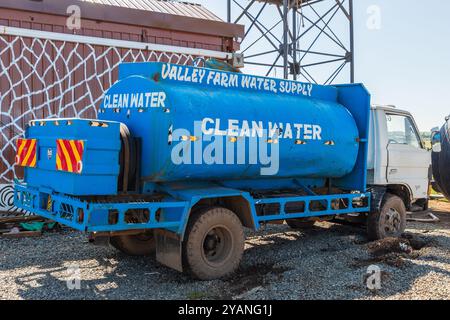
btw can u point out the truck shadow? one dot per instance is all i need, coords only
(309, 262)
(40, 268)
(126, 278)
(331, 262)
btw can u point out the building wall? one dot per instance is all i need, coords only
(42, 78)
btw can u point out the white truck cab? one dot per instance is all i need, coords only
(398, 162)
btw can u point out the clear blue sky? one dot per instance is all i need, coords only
(407, 61)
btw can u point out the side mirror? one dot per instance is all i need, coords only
(436, 141)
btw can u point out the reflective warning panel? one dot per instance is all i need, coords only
(26, 153)
(69, 155)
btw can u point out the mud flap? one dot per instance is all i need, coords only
(168, 249)
(377, 194)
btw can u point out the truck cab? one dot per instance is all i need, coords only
(398, 161)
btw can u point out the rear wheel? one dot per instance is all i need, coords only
(135, 245)
(214, 243)
(390, 221)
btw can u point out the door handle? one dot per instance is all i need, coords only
(393, 171)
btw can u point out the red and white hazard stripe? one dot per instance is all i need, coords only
(69, 155)
(26, 153)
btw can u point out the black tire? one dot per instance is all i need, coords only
(300, 223)
(390, 221)
(440, 161)
(135, 245)
(214, 243)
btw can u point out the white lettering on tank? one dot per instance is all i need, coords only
(317, 132)
(245, 131)
(210, 76)
(288, 131)
(299, 128)
(273, 129)
(219, 132)
(141, 101)
(202, 74)
(165, 71)
(205, 131)
(225, 79)
(195, 75)
(135, 100)
(257, 129)
(115, 99)
(242, 128)
(233, 128)
(161, 100)
(307, 132)
(106, 101)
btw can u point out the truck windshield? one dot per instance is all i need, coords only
(401, 130)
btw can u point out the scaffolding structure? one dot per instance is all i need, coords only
(308, 40)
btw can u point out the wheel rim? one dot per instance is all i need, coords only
(392, 222)
(217, 245)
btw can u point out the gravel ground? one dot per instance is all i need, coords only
(329, 261)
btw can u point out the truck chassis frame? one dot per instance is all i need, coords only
(86, 216)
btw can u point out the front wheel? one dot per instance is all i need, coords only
(389, 221)
(214, 243)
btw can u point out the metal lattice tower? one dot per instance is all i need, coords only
(308, 40)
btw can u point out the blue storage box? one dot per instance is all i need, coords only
(75, 156)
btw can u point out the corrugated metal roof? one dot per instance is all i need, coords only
(170, 15)
(174, 7)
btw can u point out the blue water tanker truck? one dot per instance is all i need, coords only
(181, 159)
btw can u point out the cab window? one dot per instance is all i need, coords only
(401, 130)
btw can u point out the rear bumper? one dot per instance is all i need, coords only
(94, 217)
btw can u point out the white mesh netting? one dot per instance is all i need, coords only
(41, 78)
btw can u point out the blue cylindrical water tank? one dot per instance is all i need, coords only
(315, 136)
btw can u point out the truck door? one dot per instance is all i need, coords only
(408, 160)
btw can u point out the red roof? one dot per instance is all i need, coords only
(163, 14)
(173, 7)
